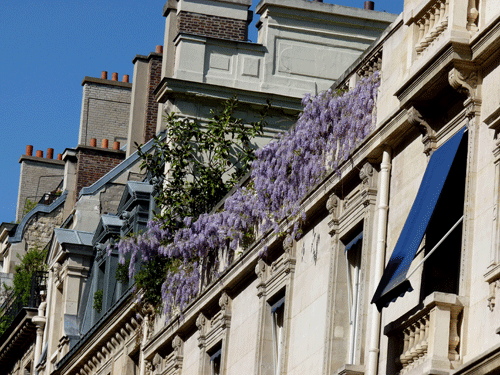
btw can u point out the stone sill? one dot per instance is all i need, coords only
(348, 369)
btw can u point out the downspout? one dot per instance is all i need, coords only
(383, 206)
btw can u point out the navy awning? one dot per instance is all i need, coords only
(394, 282)
(354, 242)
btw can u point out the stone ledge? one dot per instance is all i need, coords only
(108, 82)
(41, 160)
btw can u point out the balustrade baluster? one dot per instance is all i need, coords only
(406, 338)
(419, 48)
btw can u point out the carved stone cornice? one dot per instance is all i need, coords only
(428, 134)
(332, 205)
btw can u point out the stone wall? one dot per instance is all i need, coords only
(212, 26)
(39, 230)
(105, 110)
(38, 176)
(93, 163)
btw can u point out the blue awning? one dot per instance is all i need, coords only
(394, 282)
(354, 242)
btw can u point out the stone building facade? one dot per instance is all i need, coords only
(397, 270)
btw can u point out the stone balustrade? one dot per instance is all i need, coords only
(432, 23)
(430, 338)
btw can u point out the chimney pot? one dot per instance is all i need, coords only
(159, 49)
(114, 76)
(369, 5)
(126, 78)
(39, 154)
(104, 74)
(29, 150)
(93, 142)
(59, 156)
(116, 145)
(50, 153)
(104, 143)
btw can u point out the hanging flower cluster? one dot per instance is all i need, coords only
(329, 128)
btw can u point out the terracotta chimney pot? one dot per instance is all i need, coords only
(104, 74)
(104, 143)
(159, 49)
(126, 78)
(29, 150)
(59, 156)
(114, 76)
(50, 153)
(39, 154)
(93, 142)
(116, 145)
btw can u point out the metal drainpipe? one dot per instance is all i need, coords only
(383, 206)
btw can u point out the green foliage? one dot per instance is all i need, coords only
(204, 161)
(29, 205)
(98, 296)
(122, 272)
(32, 261)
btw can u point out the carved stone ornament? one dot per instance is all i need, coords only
(201, 322)
(261, 270)
(157, 361)
(428, 134)
(332, 205)
(225, 304)
(177, 345)
(365, 174)
(464, 82)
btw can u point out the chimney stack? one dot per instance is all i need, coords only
(104, 74)
(50, 153)
(114, 76)
(93, 142)
(126, 78)
(369, 5)
(116, 145)
(59, 156)
(29, 150)
(39, 154)
(159, 49)
(104, 143)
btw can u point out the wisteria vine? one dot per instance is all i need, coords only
(327, 131)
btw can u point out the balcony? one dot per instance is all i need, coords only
(428, 341)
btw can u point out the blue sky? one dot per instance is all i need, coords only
(48, 47)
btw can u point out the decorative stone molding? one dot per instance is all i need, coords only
(172, 364)
(373, 64)
(367, 174)
(431, 23)
(430, 337)
(466, 81)
(472, 17)
(332, 205)
(201, 323)
(214, 332)
(429, 138)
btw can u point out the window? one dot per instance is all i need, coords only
(278, 314)
(442, 269)
(215, 360)
(353, 262)
(439, 202)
